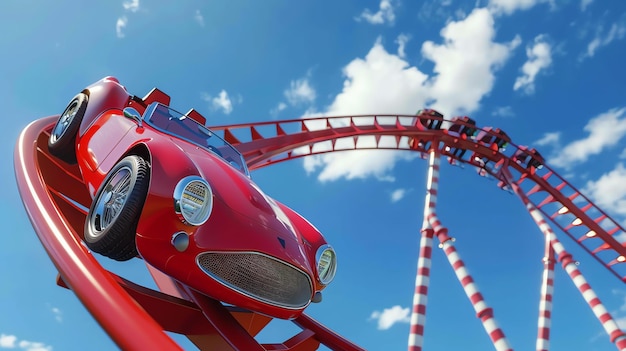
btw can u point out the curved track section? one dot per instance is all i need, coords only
(267, 143)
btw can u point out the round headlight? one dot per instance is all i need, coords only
(193, 200)
(326, 264)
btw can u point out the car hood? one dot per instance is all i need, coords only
(242, 196)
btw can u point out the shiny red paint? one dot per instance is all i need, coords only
(243, 218)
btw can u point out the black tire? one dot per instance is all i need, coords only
(111, 223)
(63, 136)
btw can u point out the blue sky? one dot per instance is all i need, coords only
(550, 73)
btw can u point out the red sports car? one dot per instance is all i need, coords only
(168, 189)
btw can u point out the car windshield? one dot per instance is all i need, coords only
(184, 127)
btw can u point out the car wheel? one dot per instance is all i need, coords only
(111, 223)
(63, 135)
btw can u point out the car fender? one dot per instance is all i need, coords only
(105, 94)
(168, 165)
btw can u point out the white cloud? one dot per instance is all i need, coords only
(7, 341)
(120, 25)
(390, 316)
(465, 63)
(437, 11)
(539, 58)
(199, 18)
(11, 342)
(300, 91)
(382, 82)
(280, 107)
(122, 22)
(584, 4)
(617, 32)
(385, 14)
(397, 195)
(401, 41)
(503, 111)
(132, 6)
(549, 139)
(220, 102)
(509, 6)
(604, 130)
(58, 315)
(34, 346)
(356, 164)
(609, 191)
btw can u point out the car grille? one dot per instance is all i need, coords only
(259, 276)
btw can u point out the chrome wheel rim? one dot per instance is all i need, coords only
(64, 121)
(111, 201)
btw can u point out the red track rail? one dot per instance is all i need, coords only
(267, 143)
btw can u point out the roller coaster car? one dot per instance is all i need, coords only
(169, 190)
(496, 138)
(465, 129)
(430, 119)
(528, 158)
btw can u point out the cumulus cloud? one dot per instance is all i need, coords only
(401, 41)
(280, 107)
(8, 341)
(122, 21)
(197, 16)
(12, 342)
(616, 32)
(397, 195)
(381, 82)
(509, 6)
(604, 130)
(358, 164)
(58, 315)
(549, 139)
(466, 62)
(300, 91)
(132, 6)
(34, 346)
(609, 191)
(120, 25)
(220, 102)
(539, 58)
(503, 111)
(390, 316)
(384, 14)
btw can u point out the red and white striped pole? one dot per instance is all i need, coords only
(484, 312)
(616, 335)
(422, 279)
(545, 302)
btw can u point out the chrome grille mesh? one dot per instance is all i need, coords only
(259, 276)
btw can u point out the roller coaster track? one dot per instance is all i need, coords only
(57, 210)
